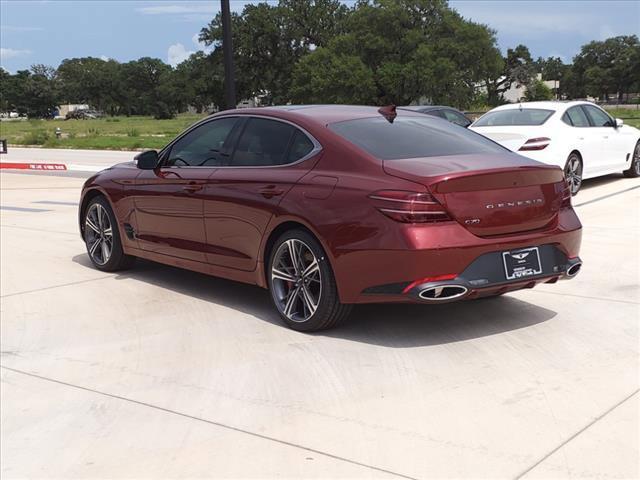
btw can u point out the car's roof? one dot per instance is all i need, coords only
(321, 114)
(547, 105)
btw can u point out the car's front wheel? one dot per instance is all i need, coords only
(303, 287)
(634, 168)
(573, 172)
(102, 237)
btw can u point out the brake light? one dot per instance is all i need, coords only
(409, 207)
(539, 143)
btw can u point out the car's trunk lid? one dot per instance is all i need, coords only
(509, 137)
(489, 194)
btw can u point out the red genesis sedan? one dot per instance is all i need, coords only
(329, 206)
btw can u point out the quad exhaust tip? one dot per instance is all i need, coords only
(573, 270)
(443, 292)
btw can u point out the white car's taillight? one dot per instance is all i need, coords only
(539, 143)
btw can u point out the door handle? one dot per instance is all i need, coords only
(270, 191)
(192, 188)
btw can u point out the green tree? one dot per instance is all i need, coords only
(411, 49)
(150, 88)
(329, 77)
(34, 92)
(7, 87)
(551, 68)
(93, 81)
(268, 41)
(200, 79)
(517, 68)
(608, 67)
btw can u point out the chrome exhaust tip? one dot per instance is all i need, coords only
(443, 292)
(573, 270)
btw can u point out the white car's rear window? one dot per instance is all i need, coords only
(514, 117)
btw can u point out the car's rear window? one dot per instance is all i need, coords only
(515, 116)
(413, 137)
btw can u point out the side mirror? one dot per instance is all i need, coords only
(147, 160)
(619, 122)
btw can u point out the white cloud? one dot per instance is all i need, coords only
(177, 54)
(198, 11)
(208, 7)
(200, 45)
(104, 58)
(7, 53)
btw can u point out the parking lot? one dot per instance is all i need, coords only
(162, 373)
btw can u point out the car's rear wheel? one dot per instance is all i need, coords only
(302, 284)
(634, 168)
(102, 237)
(573, 172)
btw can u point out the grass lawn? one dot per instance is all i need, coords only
(630, 116)
(111, 133)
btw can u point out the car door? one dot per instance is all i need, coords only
(169, 199)
(583, 139)
(613, 145)
(270, 156)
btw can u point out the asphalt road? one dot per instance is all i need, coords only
(164, 373)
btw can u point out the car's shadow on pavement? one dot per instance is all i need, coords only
(389, 325)
(600, 181)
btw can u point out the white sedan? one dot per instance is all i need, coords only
(578, 136)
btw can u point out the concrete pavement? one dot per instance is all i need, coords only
(158, 372)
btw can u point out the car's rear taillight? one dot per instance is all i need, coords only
(409, 207)
(539, 143)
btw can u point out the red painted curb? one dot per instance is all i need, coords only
(33, 166)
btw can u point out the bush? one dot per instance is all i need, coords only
(538, 91)
(93, 131)
(36, 137)
(132, 132)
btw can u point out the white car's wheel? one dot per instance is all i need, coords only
(634, 168)
(573, 172)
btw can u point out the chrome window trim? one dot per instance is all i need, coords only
(317, 146)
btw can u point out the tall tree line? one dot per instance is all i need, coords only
(322, 51)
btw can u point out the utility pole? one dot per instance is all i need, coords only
(227, 47)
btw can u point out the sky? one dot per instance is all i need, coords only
(48, 31)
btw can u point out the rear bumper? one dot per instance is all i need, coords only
(485, 277)
(382, 275)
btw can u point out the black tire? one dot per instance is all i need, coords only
(634, 168)
(116, 258)
(573, 172)
(329, 312)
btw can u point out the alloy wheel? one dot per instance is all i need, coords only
(573, 173)
(636, 159)
(98, 234)
(296, 280)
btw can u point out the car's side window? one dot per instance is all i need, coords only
(576, 117)
(263, 143)
(598, 117)
(455, 117)
(205, 145)
(301, 146)
(436, 113)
